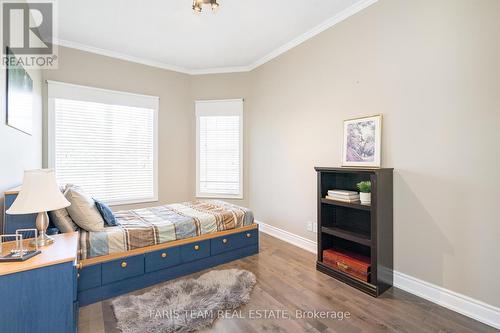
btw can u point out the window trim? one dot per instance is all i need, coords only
(238, 113)
(154, 102)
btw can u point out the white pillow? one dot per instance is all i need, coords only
(83, 210)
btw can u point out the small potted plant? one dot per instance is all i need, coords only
(365, 189)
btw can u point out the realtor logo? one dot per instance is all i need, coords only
(27, 32)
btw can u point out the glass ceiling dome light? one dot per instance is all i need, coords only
(198, 4)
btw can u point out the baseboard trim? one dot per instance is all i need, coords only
(475, 309)
(288, 237)
(467, 306)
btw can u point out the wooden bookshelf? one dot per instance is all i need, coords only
(363, 229)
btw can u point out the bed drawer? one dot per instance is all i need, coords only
(250, 237)
(157, 260)
(195, 251)
(230, 242)
(121, 269)
(89, 277)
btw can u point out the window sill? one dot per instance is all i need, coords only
(217, 196)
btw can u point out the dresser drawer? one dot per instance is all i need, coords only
(195, 251)
(89, 277)
(233, 241)
(121, 269)
(161, 259)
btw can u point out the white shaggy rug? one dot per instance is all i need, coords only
(186, 305)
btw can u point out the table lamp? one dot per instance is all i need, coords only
(39, 194)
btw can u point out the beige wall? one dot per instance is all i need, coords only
(432, 69)
(175, 121)
(19, 151)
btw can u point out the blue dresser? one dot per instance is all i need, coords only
(40, 294)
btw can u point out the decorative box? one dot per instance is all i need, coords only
(351, 263)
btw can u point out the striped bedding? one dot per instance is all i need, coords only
(149, 226)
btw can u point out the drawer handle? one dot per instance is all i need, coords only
(196, 247)
(249, 235)
(164, 255)
(342, 266)
(124, 264)
(224, 241)
(77, 275)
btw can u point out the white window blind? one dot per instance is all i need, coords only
(219, 148)
(104, 141)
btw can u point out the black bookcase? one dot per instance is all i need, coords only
(363, 229)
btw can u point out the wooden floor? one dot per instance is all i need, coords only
(287, 280)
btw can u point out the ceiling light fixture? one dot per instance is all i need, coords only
(198, 4)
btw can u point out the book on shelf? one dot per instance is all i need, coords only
(352, 197)
(342, 199)
(343, 193)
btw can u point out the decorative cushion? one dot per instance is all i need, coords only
(62, 220)
(83, 209)
(106, 213)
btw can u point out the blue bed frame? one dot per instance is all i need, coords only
(99, 281)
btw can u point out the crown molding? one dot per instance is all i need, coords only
(346, 13)
(121, 56)
(221, 70)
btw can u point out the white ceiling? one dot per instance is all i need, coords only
(240, 36)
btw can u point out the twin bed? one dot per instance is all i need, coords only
(155, 244)
(145, 227)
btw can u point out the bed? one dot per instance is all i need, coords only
(156, 225)
(155, 244)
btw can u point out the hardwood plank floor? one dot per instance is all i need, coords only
(287, 280)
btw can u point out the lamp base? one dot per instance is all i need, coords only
(42, 240)
(42, 222)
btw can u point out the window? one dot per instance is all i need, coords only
(219, 149)
(104, 141)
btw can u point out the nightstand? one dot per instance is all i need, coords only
(39, 295)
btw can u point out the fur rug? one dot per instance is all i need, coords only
(186, 305)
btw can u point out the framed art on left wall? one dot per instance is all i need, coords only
(19, 101)
(362, 142)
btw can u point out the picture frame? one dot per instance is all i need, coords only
(19, 97)
(362, 143)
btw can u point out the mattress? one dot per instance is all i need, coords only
(155, 225)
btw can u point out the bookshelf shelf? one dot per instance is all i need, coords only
(354, 205)
(363, 230)
(351, 235)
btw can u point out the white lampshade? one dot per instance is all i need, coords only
(39, 193)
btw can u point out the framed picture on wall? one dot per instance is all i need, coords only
(19, 103)
(362, 142)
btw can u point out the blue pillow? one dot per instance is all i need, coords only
(106, 213)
